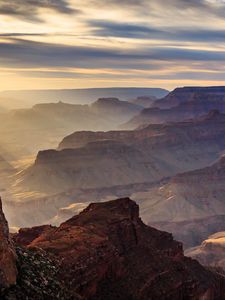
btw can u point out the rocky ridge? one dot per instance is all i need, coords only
(183, 111)
(188, 94)
(107, 252)
(8, 269)
(175, 201)
(211, 251)
(192, 232)
(26, 131)
(113, 158)
(99, 165)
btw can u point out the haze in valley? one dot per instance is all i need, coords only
(112, 149)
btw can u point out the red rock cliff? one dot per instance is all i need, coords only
(8, 270)
(107, 252)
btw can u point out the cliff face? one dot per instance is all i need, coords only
(98, 164)
(180, 104)
(116, 106)
(144, 101)
(28, 98)
(187, 196)
(106, 159)
(28, 274)
(190, 205)
(211, 251)
(26, 131)
(107, 252)
(186, 94)
(210, 125)
(193, 108)
(192, 232)
(8, 270)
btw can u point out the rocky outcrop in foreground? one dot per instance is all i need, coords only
(107, 252)
(8, 270)
(28, 274)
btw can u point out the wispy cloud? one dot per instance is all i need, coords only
(115, 29)
(214, 7)
(27, 54)
(111, 41)
(29, 9)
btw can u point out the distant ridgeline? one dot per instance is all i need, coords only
(27, 98)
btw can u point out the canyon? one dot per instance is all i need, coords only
(107, 252)
(155, 163)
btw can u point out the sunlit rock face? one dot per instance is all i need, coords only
(210, 252)
(107, 252)
(8, 269)
(190, 205)
(187, 196)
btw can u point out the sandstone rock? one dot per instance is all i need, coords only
(187, 94)
(203, 128)
(183, 111)
(180, 104)
(107, 252)
(26, 131)
(8, 270)
(144, 101)
(29, 234)
(106, 159)
(192, 232)
(187, 196)
(98, 162)
(210, 252)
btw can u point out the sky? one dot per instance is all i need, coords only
(49, 44)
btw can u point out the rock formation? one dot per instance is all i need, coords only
(183, 111)
(192, 232)
(107, 252)
(26, 131)
(8, 269)
(190, 205)
(115, 109)
(144, 101)
(210, 252)
(157, 133)
(27, 98)
(176, 201)
(188, 94)
(106, 159)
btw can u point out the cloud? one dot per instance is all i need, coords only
(165, 8)
(115, 29)
(168, 40)
(29, 9)
(184, 4)
(119, 2)
(20, 34)
(21, 53)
